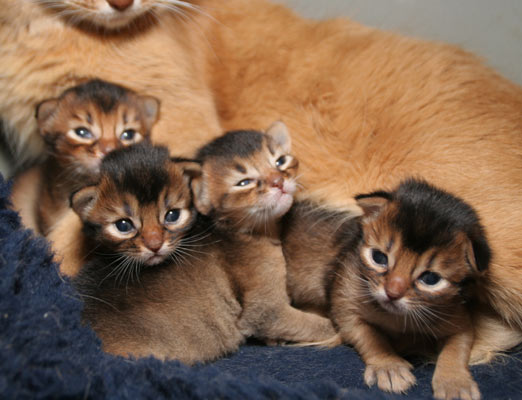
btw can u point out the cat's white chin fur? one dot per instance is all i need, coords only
(107, 17)
(397, 307)
(278, 202)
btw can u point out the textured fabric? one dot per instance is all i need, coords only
(45, 352)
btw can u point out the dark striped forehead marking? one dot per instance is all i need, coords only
(233, 144)
(104, 95)
(240, 168)
(140, 170)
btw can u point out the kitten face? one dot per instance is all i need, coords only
(403, 281)
(421, 250)
(138, 211)
(113, 14)
(81, 128)
(250, 187)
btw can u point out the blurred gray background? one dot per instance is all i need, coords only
(491, 29)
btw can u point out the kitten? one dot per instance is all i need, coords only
(247, 184)
(79, 128)
(154, 283)
(403, 275)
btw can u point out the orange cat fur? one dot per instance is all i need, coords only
(370, 107)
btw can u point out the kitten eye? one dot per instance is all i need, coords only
(172, 215)
(244, 182)
(128, 135)
(83, 132)
(124, 225)
(430, 278)
(379, 257)
(280, 161)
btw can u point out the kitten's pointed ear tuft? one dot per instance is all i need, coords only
(83, 200)
(44, 111)
(200, 194)
(191, 168)
(279, 133)
(150, 107)
(478, 251)
(373, 203)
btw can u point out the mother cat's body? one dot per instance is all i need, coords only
(370, 107)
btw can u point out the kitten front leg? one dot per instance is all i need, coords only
(25, 197)
(298, 326)
(277, 323)
(452, 379)
(384, 367)
(68, 243)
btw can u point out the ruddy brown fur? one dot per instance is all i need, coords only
(247, 185)
(147, 286)
(402, 278)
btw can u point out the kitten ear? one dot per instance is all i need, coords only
(280, 135)
(191, 168)
(373, 203)
(44, 111)
(478, 251)
(201, 197)
(83, 200)
(150, 107)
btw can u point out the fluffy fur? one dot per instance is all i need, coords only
(368, 107)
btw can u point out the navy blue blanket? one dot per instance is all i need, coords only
(45, 352)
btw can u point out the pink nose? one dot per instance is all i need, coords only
(120, 5)
(153, 240)
(395, 288)
(106, 147)
(276, 181)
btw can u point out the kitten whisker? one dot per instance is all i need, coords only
(83, 295)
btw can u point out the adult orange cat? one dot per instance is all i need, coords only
(49, 46)
(370, 107)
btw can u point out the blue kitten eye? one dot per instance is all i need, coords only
(124, 225)
(83, 132)
(280, 161)
(430, 278)
(128, 135)
(172, 215)
(379, 257)
(244, 182)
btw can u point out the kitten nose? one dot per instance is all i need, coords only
(120, 5)
(153, 240)
(395, 288)
(106, 147)
(276, 181)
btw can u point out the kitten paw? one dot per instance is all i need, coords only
(457, 387)
(392, 377)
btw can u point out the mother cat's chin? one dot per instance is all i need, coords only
(113, 14)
